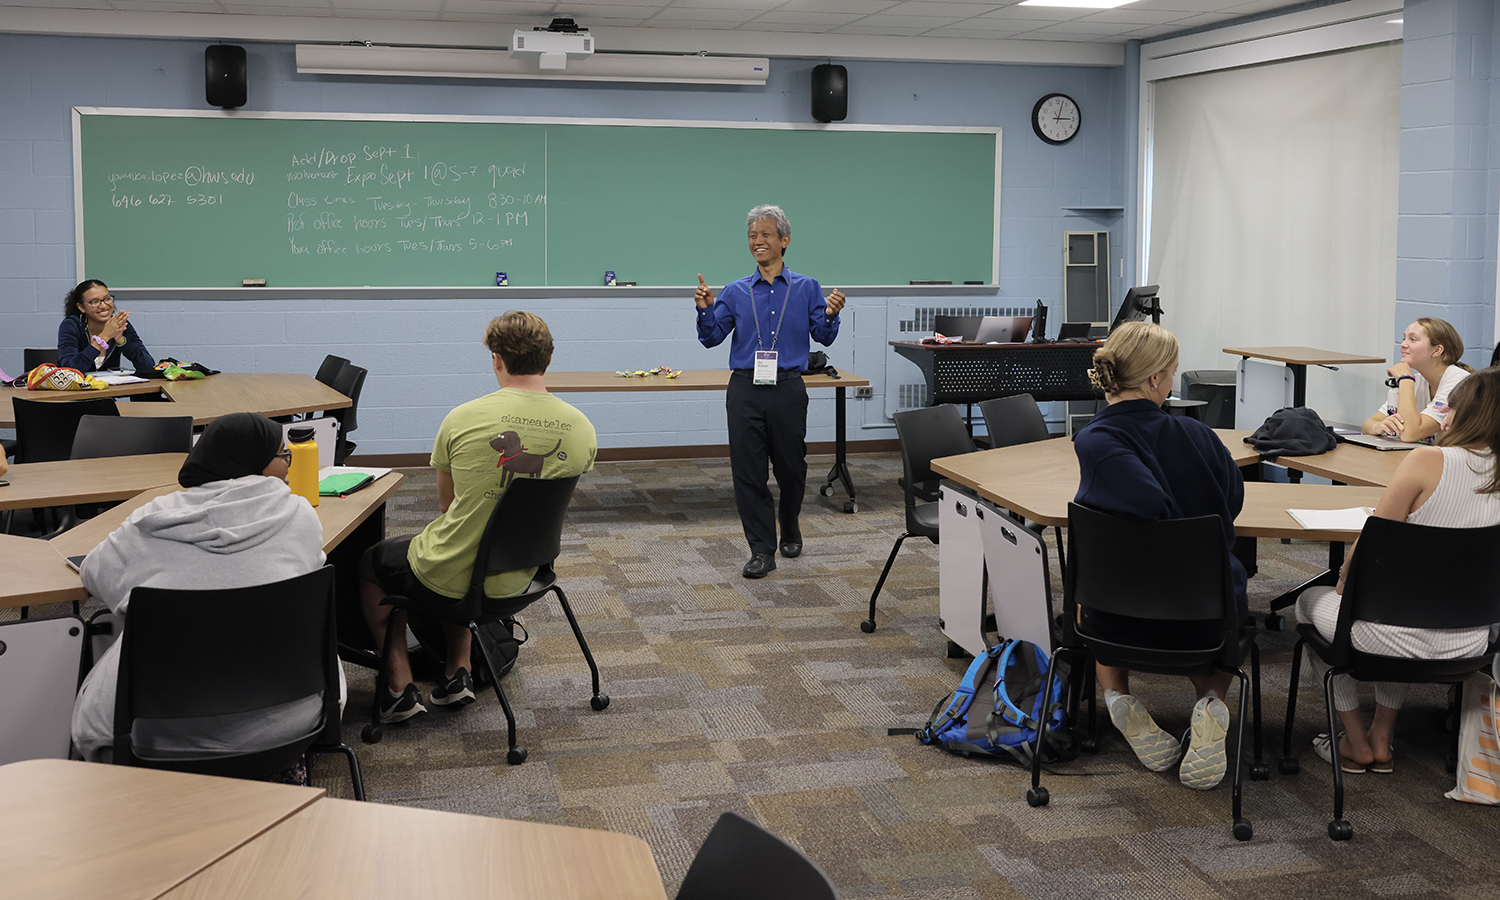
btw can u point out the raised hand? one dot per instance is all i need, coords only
(835, 302)
(703, 297)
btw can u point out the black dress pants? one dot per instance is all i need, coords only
(767, 422)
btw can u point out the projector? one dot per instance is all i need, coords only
(551, 49)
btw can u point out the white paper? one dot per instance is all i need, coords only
(121, 378)
(1351, 519)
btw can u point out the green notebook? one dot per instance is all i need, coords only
(343, 485)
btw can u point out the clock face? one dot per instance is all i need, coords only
(1056, 118)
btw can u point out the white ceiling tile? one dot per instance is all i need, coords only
(413, 8)
(192, 6)
(855, 7)
(713, 18)
(937, 10)
(784, 17)
(929, 22)
(1134, 17)
(890, 30)
(727, 4)
(499, 12)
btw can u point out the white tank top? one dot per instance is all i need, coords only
(1455, 503)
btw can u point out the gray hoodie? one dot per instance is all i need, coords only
(224, 534)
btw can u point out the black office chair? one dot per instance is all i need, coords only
(35, 356)
(1215, 387)
(330, 369)
(925, 434)
(524, 531)
(45, 428)
(1173, 570)
(1388, 585)
(1013, 420)
(191, 655)
(99, 437)
(349, 382)
(740, 860)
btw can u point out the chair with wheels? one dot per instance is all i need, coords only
(104, 436)
(45, 428)
(349, 382)
(524, 532)
(329, 371)
(35, 356)
(1168, 571)
(1013, 420)
(925, 434)
(740, 860)
(40, 666)
(1385, 582)
(203, 672)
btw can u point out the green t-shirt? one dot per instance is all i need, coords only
(485, 444)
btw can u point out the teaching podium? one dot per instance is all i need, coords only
(971, 373)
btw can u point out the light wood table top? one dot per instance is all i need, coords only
(1038, 480)
(34, 571)
(1350, 464)
(77, 829)
(1304, 356)
(205, 399)
(689, 380)
(69, 481)
(345, 849)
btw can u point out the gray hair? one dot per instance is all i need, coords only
(783, 227)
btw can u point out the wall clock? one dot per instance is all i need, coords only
(1056, 118)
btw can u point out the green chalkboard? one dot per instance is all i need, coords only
(212, 199)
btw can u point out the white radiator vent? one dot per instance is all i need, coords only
(912, 396)
(921, 319)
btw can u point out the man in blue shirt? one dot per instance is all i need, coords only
(770, 317)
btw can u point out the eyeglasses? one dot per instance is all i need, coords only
(108, 300)
(285, 456)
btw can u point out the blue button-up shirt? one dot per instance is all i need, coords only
(789, 333)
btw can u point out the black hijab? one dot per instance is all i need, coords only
(234, 446)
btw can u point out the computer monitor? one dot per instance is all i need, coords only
(1003, 330)
(1140, 304)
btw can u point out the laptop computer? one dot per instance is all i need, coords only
(1379, 441)
(1074, 331)
(965, 327)
(1003, 330)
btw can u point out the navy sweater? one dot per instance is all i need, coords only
(75, 352)
(1137, 461)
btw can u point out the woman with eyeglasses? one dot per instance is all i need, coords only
(94, 335)
(237, 524)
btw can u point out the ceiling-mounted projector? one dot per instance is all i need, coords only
(553, 47)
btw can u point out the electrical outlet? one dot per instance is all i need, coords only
(864, 393)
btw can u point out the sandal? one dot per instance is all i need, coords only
(1385, 766)
(1324, 748)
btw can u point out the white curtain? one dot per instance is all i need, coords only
(1273, 214)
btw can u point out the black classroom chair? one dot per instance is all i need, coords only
(99, 437)
(45, 428)
(330, 369)
(190, 655)
(1013, 420)
(925, 434)
(35, 356)
(524, 531)
(349, 382)
(1173, 570)
(1388, 584)
(739, 860)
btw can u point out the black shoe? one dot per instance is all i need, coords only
(760, 565)
(791, 548)
(454, 692)
(402, 706)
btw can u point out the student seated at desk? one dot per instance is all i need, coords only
(1417, 403)
(1137, 461)
(236, 525)
(1453, 485)
(94, 335)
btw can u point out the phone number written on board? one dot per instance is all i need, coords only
(205, 187)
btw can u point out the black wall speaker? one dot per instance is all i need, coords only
(224, 75)
(830, 93)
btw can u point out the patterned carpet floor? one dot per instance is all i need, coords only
(764, 697)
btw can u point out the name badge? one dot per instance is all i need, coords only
(765, 367)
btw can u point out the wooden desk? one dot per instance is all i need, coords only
(345, 849)
(204, 399)
(1350, 464)
(77, 829)
(718, 380)
(1298, 359)
(34, 571)
(70, 481)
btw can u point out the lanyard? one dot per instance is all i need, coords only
(775, 335)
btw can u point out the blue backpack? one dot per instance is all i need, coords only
(1012, 674)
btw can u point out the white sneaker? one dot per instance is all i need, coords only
(1156, 749)
(1204, 764)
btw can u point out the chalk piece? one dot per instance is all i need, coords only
(255, 282)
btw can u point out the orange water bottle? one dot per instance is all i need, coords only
(303, 477)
